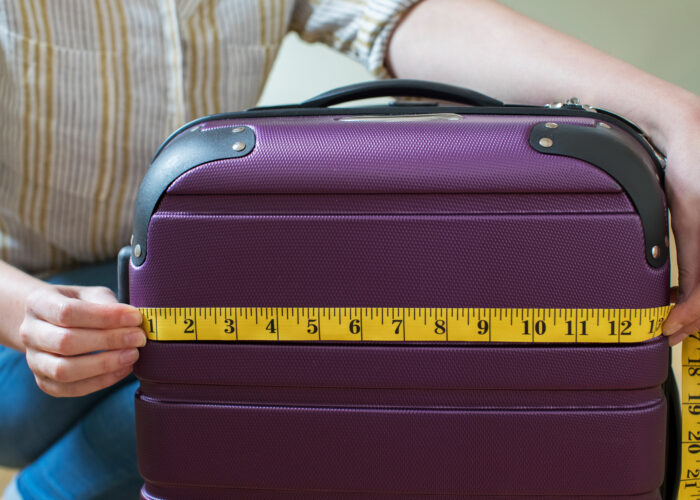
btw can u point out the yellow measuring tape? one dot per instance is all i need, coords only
(407, 324)
(413, 324)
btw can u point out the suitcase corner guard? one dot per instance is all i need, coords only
(606, 149)
(184, 152)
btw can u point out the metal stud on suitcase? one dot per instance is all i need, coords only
(372, 209)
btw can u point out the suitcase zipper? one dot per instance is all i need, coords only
(575, 103)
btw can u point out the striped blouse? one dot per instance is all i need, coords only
(90, 88)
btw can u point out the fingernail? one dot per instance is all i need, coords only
(676, 340)
(128, 356)
(672, 328)
(132, 318)
(136, 339)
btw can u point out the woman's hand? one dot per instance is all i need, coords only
(79, 339)
(683, 192)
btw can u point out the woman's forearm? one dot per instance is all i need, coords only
(15, 286)
(493, 49)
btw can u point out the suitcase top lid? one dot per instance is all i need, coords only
(492, 148)
(448, 153)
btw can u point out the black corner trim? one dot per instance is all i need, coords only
(606, 149)
(187, 150)
(123, 274)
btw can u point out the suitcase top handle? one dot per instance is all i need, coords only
(400, 88)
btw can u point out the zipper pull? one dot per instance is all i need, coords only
(571, 103)
(575, 103)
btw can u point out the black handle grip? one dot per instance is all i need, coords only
(400, 88)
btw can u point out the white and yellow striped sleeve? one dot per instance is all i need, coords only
(358, 28)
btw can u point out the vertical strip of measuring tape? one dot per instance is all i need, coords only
(690, 418)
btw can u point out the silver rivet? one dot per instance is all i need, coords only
(137, 251)
(238, 130)
(604, 125)
(546, 142)
(551, 125)
(238, 146)
(666, 240)
(655, 251)
(131, 241)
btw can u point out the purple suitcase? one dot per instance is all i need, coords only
(403, 206)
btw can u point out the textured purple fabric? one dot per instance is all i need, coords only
(470, 203)
(398, 398)
(155, 492)
(433, 370)
(489, 452)
(583, 260)
(441, 214)
(461, 366)
(484, 154)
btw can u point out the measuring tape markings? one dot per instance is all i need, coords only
(690, 418)
(409, 324)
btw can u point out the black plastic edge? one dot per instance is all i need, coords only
(606, 149)
(674, 435)
(293, 110)
(123, 274)
(184, 152)
(400, 88)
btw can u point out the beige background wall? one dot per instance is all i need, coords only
(659, 36)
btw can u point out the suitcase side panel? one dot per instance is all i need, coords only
(404, 451)
(464, 366)
(538, 260)
(182, 492)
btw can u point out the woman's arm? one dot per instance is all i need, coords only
(488, 47)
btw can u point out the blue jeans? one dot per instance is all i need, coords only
(68, 448)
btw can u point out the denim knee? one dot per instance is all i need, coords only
(94, 459)
(18, 445)
(31, 420)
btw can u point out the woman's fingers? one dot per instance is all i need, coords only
(69, 369)
(40, 335)
(80, 388)
(54, 305)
